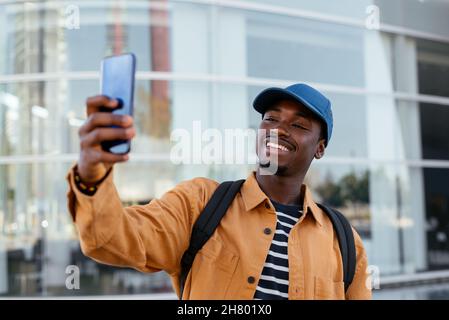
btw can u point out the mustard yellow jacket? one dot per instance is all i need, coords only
(154, 236)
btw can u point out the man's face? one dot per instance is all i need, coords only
(298, 137)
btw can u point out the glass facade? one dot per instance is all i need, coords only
(386, 167)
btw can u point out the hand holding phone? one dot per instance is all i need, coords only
(117, 82)
(105, 136)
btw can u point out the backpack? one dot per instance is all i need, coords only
(216, 208)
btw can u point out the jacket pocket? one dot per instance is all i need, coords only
(327, 289)
(212, 271)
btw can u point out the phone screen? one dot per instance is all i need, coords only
(117, 82)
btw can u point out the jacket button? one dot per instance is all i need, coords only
(267, 231)
(251, 279)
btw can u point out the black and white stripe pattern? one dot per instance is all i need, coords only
(273, 283)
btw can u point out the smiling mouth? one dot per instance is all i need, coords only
(277, 146)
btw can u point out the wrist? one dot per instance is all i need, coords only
(88, 188)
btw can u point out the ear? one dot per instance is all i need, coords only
(321, 147)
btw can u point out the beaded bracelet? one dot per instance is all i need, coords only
(87, 188)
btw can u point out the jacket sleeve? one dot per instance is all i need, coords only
(360, 288)
(148, 238)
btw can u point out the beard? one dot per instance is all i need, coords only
(280, 170)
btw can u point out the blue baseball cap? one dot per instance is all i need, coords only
(311, 98)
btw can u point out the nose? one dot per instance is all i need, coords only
(279, 130)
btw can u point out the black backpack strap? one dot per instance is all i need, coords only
(346, 242)
(206, 224)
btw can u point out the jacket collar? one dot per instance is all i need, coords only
(253, 196)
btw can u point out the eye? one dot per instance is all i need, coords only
(269, 118)
(299, 126)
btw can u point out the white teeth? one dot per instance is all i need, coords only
(277, 146)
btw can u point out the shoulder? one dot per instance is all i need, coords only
(198, 183)
(200, 188)
(360, 251)
(357, 239)
(204, 182)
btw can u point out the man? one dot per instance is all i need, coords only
(274, 241)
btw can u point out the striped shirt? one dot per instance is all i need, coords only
(273, 283)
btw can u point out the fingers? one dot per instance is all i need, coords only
(95, 156)
(104, 119)
(93, 104)
(95, 137)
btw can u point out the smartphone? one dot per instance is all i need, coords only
(117, 82)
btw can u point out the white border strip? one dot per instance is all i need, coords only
(165, 157)
(147, 296)
(223, 79)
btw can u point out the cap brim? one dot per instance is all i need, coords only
(268, 97)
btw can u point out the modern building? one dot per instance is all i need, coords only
(384, 64)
